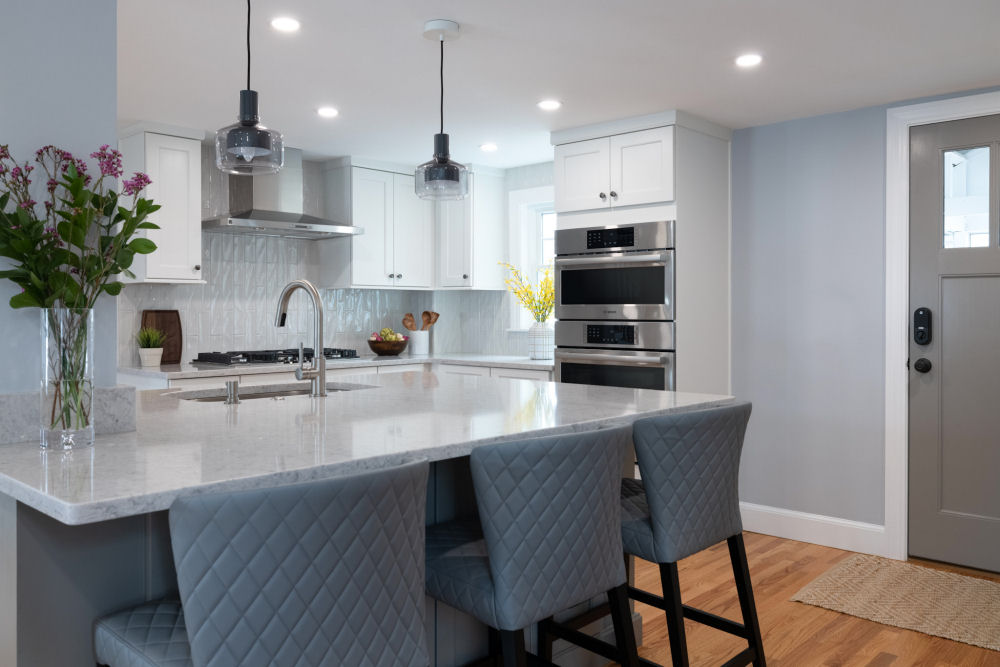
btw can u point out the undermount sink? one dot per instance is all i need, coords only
(274, 392)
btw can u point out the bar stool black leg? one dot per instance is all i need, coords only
(512, 645)
(741, 572)
(621, 616)
(545, 640)
(675, 613)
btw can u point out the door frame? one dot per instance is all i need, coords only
(899, 120)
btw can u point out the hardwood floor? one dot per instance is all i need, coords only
(795, 634)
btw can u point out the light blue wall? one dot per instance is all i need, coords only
(59, 87)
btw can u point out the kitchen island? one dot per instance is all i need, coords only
(84, 533)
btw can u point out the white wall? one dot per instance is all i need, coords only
(59, 87)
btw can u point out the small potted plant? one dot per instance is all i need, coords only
(150, 346)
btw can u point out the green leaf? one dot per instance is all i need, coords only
(125, 257)
(24, 300)
(147, 225)
(114, 289)
(142, 246)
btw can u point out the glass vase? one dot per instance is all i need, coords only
(67, 389)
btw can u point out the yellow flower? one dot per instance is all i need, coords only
(538, 300)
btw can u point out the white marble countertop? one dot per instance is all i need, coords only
(185, 447)
(188, 370)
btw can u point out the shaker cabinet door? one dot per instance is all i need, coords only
(581, 173)
(413, 234)
(642, 167)
(372, 209)
(174, 166)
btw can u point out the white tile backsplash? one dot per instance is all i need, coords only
(245, 274)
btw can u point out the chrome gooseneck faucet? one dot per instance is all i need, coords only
(317, 373)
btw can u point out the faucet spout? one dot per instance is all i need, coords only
(316, 374)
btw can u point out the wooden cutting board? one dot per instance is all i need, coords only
(169, 322)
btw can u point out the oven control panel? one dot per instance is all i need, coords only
(610, 334)
(620, 237)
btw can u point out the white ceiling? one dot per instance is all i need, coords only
(182, 62)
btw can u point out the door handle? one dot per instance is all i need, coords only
(922, 365)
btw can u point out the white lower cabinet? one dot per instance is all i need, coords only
(456, 369)
(401, 368)
(521, 374)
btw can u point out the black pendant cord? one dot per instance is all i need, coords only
(248, 44)
(442, 86)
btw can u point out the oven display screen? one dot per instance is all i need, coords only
(635, 377)
(598, 239)
(641, 284)
(610, 334)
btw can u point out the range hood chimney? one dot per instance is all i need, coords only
(271, 205)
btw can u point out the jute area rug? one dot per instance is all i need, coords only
(944, 604)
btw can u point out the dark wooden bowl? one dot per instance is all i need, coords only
(387, 348)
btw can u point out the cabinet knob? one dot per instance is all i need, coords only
(614, 195)
(602, 196)
(399, 275)
(465, 276)
(197, 267)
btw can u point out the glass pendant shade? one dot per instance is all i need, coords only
(247, 147)
(441, 178)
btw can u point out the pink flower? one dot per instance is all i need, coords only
(27, 204)
(109, 160)
(4, 152)
(51, 186)
(134, 185)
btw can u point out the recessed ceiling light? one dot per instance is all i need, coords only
(285, 24)
(549, 105)
(488, 147)
(749, 60)
(327, 112)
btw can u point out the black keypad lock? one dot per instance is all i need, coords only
(922, 326)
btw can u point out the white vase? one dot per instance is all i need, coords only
(541, 341)
(150, 356)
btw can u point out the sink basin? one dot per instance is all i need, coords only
(277, 392)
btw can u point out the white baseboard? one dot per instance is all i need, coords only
(868, 538)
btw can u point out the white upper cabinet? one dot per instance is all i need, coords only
(395, 249)
(472, 236)
(622, 170)
(173, 164)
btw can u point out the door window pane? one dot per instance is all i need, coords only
(967, 198)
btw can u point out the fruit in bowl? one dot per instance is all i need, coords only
(387, 342)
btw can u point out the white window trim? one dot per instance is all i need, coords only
(522, 204)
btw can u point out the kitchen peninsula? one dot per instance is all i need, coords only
(85, 532)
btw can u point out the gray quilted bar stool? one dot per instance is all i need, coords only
(548, 537)
(321, 573)
(687, 501)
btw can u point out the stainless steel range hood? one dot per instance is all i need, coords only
(272, 206)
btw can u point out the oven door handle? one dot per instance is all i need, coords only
(644, 258)
(617, 359)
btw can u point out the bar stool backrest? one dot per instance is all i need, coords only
(551, 518)
(322, 573)
(689, 464)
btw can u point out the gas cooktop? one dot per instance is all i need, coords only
(290, 356)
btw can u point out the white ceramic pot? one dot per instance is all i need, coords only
(150, 356)
(420, 343)
(541, 341)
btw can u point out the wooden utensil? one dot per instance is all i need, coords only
(169, 322)
(434, 318)
(426, 318)
(409, 322)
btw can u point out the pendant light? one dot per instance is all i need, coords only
(441, 178)
(249, 148)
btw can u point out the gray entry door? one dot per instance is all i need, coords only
(954, 476)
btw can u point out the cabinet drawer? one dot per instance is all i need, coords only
(521, 374)
(455, 369)
(401, 368)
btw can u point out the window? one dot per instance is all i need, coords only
(533, 231)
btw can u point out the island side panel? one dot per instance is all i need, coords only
(8, 581)
(68, 576)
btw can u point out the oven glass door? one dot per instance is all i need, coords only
(637, 370)
(617, 286)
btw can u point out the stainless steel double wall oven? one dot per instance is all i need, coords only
(615, 305)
